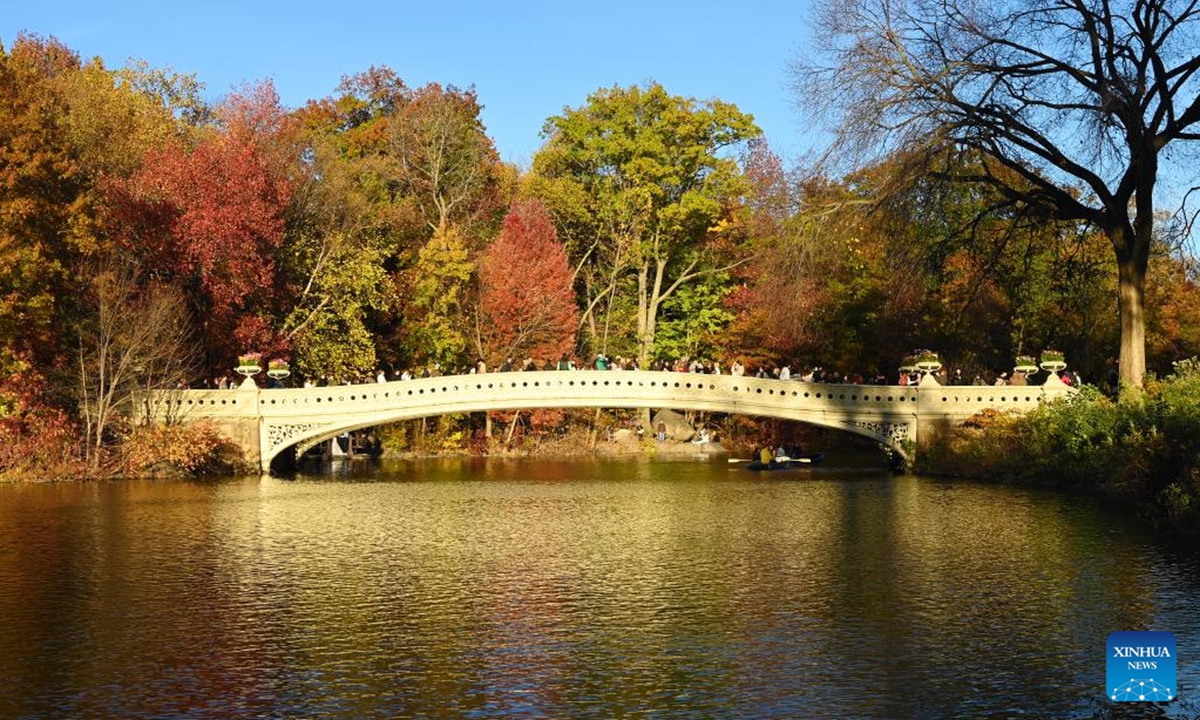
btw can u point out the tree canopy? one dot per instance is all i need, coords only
(377, 229)
(1076, 102)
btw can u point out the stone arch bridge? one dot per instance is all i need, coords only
(267, 422)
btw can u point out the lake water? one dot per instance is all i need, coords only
(574, 589)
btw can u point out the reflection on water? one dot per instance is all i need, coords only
(557, 589)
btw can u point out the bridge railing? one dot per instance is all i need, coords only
(652, 386)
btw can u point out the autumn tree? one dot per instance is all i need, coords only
(113, 123)
(210, 219)
(47, 209)
(444, 161)
(527, 304)
(657, 172)
(137, 336)
(1078, 102)
(386, 166)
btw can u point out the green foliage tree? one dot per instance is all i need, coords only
(440, 282)
(327, 326)
(656, 172)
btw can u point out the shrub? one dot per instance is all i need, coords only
(1144, 447)
(192, 449)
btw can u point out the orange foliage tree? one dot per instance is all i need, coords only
(527, 305)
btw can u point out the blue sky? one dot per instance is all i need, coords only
(526, 59)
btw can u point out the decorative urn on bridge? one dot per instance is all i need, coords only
(927, 361)
(1025, 364)
(249, 364)
(278, 369)
(1053, 361)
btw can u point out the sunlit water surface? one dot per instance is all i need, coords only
(573, 589)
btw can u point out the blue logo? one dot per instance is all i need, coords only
(1141, 667)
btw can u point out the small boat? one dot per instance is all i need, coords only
(785, 463)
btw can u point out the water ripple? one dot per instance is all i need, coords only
(570, 589)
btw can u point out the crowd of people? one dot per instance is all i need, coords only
(736, 368)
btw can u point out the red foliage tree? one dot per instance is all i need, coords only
(211, 219)
(37, 439)
(527, 305)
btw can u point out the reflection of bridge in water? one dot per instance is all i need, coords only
(265, 423)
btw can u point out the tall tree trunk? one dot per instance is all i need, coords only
(650, 297)
(1132, 259)
(643, 292)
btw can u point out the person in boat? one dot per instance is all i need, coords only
(764, 455)
(781, 452)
